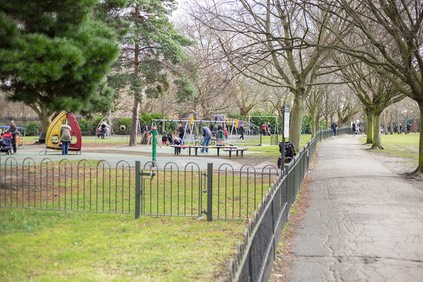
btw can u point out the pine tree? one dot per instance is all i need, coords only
(54, 56)
(151, 51)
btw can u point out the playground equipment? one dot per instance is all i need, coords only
(53, 133)
(269, 126)
(192, 129)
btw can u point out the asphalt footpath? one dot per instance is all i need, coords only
(364, 222)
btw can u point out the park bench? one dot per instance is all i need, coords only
(178, 149)
(236, 150)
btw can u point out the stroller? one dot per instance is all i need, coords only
(6, 145)
(289, 153)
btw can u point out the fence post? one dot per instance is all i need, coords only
(209, 191)
(261, 138)
(137, 189)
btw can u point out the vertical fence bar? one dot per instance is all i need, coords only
(137, 189)
(209, 191)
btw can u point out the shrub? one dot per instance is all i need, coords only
(306, 126)
(32, 128)
(84, 126)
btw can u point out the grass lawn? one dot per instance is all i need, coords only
(399, 145)
(71, 246)
(60, 246)
(272, 150)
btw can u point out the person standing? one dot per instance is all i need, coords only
(408, 128)
(164, 138)
(207, 137)
(241, 132)
(14, 131)
(181, 133)
(334, 126)
(264, 128)
(268, 128)
(65, 138)
(225, 131)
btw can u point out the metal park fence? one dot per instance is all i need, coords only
(256, 254)
(217, 193)
(149, 190)
(67, 186)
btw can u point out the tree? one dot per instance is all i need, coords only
(213, 80)
(277, 43)
(374, 91)
(315, 105)
(394, 29)
(53, 55)
(151, 48)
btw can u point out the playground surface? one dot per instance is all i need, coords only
(361, 220)
(114, 153)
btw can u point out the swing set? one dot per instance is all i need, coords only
(225, 131)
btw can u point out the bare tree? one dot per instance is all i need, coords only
(212, 78)
(395, 30)
(374, 91)
(277, 43)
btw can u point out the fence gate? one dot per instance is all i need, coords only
(216, 193)
(171, 190)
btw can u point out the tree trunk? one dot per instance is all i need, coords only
(296, 121)
(135, 122)
(314, 125)
(313, 121)
(137, 94)
(384, 123)
(43, 116)
(44, 120)
(376, 144)
(391, 124)
(419, 169)
(371, 120)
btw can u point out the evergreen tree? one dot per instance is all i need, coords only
(54, 56)
(151, 51)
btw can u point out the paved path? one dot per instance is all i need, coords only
(364, 222)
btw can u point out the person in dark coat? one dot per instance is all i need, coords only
(334, 126)
(181, 133)
(241, 132)
(207, 137)
(15, 132)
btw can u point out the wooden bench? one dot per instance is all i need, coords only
(236, 150)
(178, 149)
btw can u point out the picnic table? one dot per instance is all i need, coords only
(194, 149)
